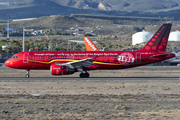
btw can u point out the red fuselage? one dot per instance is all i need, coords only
(101, 59)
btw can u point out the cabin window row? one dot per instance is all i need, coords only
(74, 57)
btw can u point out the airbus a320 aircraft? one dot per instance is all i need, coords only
(68, 62)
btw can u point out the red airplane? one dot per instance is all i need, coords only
(68, 62)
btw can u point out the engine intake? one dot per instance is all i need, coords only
(61, 70)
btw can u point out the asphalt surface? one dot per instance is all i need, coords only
(61, 78)
(83, 79)
(138, 68)
(99, 101)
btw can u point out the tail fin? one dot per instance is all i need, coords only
(90, 46)
(159, 40)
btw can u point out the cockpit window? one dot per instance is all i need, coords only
(15, 57)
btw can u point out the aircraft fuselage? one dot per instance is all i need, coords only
(102, 59)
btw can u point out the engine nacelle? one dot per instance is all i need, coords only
(61, 70)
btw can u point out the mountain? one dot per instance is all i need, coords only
(37, 8)
(120, 5)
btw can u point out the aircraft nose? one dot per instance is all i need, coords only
(8, 63)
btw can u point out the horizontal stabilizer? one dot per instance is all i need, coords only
(160, 55)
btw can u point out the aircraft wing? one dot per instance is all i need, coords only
(79, 63)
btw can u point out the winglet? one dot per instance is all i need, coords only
(90, 46)
(159, 40)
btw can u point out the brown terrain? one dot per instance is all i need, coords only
(86, 99)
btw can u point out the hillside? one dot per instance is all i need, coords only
(65, 22)
(117, 5)
(56, 22)
(120, 5)
(37, 8)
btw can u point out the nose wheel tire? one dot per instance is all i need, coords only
(84, 75)
(27, 76)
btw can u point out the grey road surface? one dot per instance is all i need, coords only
(77, 78)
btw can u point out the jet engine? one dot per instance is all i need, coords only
(61, 70)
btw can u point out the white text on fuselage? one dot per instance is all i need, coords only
(69, 54)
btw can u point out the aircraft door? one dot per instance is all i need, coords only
(25, 57)
(138, 57)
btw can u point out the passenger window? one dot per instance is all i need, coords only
(16, 57)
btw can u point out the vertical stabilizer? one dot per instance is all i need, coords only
(90, 46)
(159, 40)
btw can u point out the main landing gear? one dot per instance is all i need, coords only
(84, 75)
(27, 75)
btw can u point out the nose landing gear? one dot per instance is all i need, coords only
(27, 75)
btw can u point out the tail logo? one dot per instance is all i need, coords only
(159, 40)
(126, 59)
(90, 44)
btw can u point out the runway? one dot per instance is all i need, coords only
(84, 79)
(143, 73)
(138, 68)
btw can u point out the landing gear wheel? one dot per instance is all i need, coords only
(81, 75)
(27, 76)
(84, 75)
